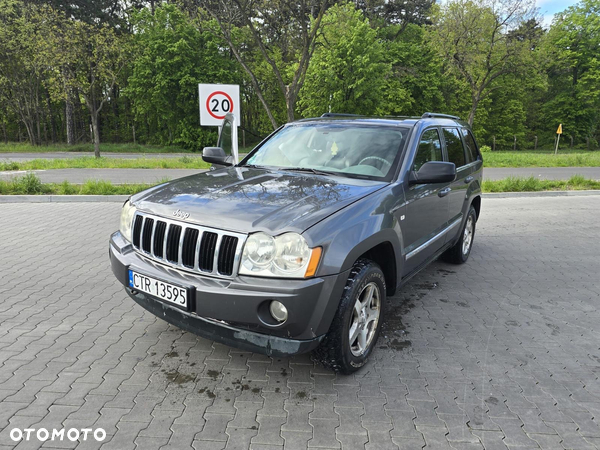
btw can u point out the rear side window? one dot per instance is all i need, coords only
(471, 148)
(430, 149)
(454, 147)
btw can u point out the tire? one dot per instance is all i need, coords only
(459, 253)
(336, 351)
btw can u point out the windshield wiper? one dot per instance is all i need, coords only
(253, 166)
(309, 170)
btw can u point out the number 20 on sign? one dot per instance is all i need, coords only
(216, 100)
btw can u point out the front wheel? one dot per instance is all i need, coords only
(459, 253)
(357, 322)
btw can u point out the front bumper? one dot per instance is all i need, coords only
(233, 311)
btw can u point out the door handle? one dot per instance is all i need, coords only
(444, 192)
(469, 179)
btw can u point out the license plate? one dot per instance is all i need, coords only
(157, 288)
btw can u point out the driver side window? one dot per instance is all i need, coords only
(430, 149)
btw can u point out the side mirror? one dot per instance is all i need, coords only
(215, 155)
(433, 172)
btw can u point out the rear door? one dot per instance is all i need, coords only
(457, 197)
(426, 206)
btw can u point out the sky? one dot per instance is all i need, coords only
(550, 7)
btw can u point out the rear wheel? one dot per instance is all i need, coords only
(459, 253)
(357, 322)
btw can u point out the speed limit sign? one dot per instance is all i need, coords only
(216, 100)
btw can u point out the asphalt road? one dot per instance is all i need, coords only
(499, 353)
(121, 176)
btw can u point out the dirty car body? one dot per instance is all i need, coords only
(197, 234)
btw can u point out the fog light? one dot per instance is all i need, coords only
(278, 311)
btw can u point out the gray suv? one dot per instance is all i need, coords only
(296, 247)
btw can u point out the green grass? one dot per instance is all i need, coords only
(15, 147)
(30, 184)
(532, 184)
(541, 159)
(89, 162)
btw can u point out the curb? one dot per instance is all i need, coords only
(122, 198)
(540, 194)
(63, 198)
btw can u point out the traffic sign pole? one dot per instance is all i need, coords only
(558, 132)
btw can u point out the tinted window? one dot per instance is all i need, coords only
(430, 149)
(454, 147)
(471, 147)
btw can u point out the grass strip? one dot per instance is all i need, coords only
(532, 184)
(540, 159)
(15, 147)
(30, 184)
(89, 162)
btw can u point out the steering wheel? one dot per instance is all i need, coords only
(377, 158)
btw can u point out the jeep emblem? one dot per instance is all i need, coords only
(180, 214)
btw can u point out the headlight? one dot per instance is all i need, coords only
(286, 256)
(127, 220)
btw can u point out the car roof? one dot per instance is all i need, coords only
(406, 121)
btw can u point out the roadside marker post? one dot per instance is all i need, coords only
(558, 132)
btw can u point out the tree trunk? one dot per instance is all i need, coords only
(69, 121)
(290, 103)
(96, 130)
(4, 130)
(473, 111)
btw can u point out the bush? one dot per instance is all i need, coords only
(485, 149)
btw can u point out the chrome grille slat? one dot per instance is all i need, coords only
(215, 267)
(197, 251)
(215, 252)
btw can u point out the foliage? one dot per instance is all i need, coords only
(31, 185)
(480, 42)
(129, 69)
(347, 71)
(88, 162)
(172, 58)
(485, 149)
(541, 159)
(573, 97)
(532, 184)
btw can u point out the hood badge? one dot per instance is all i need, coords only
(179, 214)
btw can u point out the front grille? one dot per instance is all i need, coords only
(186, 246)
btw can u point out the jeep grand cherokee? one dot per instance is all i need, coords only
(296, 247)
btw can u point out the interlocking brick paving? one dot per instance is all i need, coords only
(502, 352)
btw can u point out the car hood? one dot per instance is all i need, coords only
(251, 199)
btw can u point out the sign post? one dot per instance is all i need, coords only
(558, 132)
(216, 100)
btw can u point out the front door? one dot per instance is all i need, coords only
(426, 207)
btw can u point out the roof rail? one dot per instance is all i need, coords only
(428, 115)
(328, 114)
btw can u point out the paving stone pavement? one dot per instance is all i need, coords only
(500, 353)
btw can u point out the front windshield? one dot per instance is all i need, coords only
(347, 149)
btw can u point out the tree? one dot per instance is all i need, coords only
(284, 34)
(172, 57)
(572, 47)
(21, 72)
(87, 59)
(347, 71)
(474, 37)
